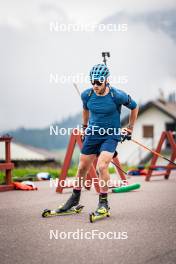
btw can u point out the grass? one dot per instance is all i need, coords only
(23, 172)
(2, 175)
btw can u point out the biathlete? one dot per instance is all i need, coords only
(101, 123)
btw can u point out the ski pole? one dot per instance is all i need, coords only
(153, 151)
(135, 141)
(119, 168)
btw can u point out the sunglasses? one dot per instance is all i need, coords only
(97, 83)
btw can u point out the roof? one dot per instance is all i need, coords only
(167, 108)
(25, 152)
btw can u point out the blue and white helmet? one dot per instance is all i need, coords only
(99, 72)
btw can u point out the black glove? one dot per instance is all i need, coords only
(83, 128)
(82, 137)
(127, 135)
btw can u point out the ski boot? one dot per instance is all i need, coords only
(102, 210)
(70, 207)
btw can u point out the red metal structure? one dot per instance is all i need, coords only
(166, 135)
(76, 138)
(7, 165)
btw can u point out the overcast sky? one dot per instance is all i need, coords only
(30, 53)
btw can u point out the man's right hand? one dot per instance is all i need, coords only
(83, 128)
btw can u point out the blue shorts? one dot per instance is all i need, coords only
(94, 145)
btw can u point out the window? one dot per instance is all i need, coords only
(148, 131)
(170, 127)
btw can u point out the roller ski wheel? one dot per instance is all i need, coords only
(98, 216)
(58, 212)
(102, 210)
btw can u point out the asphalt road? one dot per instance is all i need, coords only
(146, 218)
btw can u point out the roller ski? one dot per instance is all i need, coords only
(102, 210)
(59, 211)
(70, 207)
